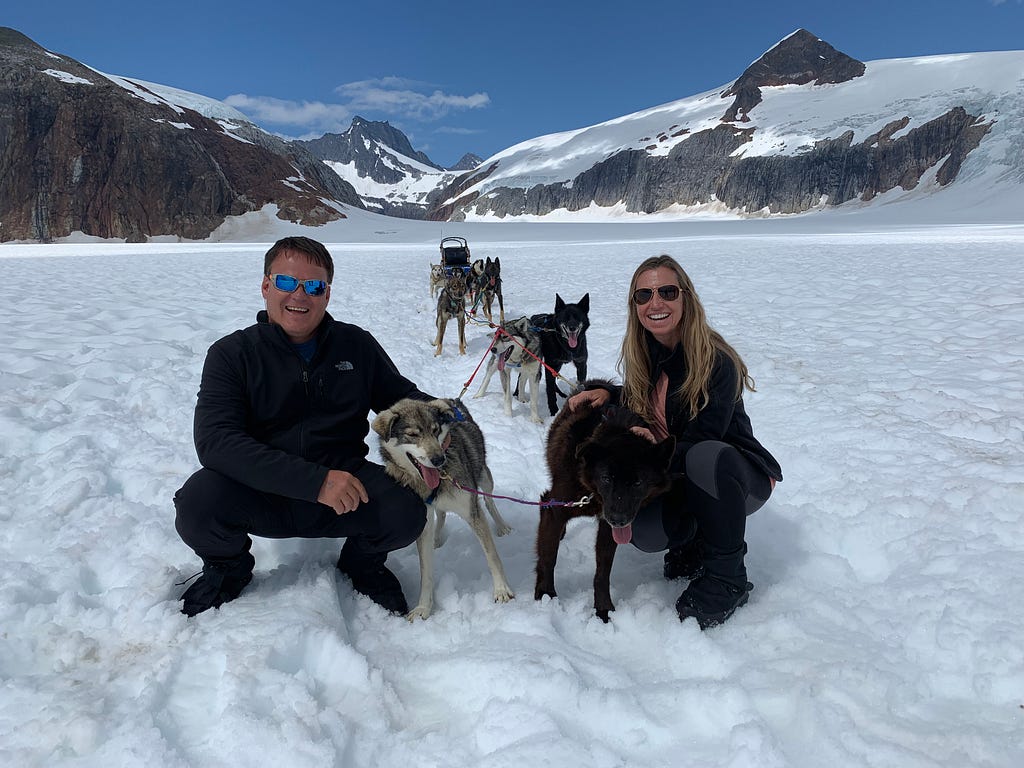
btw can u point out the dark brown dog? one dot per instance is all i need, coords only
(594, 452)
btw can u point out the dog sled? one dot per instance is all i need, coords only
(455, 256)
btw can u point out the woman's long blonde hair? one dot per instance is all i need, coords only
(700, 345)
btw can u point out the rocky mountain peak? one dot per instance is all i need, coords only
(386, 134)
(467, 162)
(798, 59)
(111, 158)
(14, 39)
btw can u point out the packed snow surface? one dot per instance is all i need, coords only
(884, 628)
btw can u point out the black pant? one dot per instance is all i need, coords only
(720, 489)
(216, 515)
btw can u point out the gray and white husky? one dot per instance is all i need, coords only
(517, 349)
(435, 448)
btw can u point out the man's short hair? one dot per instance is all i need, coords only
(316, 252)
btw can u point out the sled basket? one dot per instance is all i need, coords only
(455, 255)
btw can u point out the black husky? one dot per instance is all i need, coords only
(563, 337)
(595, 452)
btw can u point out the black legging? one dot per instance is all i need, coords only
(215, 516)
(720, 489)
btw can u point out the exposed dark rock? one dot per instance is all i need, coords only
(376, 151)
(467, 162)
(701, 170)
(359, 145)
(799, 59)
(80, 153)
(439, 210)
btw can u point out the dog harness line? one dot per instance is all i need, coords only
(501, 330)
(550, 503)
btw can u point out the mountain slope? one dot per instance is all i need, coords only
(380, 163)
(116, 158)
(804, 127)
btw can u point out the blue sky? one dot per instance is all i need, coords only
(469, 76)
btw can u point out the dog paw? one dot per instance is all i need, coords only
(604, 613)
(503, 530)
(419, 612)
(504, 595)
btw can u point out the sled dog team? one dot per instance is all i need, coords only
(666, 461)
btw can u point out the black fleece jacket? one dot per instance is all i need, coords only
(723, 418)
(270, 420)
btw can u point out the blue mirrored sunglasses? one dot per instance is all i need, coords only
(287, 283)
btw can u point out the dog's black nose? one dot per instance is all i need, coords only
(438, 461)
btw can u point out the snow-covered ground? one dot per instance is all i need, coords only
(884, 629)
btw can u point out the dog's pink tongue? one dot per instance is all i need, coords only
(573, 340)
(503, 359)
(623, 535)
(430, 476)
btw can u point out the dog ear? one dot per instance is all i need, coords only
(584, 303)
(559, 304)
(445, 409)
(666, 450)
(382, 424)
(585, 451)
(497, 262)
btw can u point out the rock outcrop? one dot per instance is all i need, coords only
(80, 152)
(799, 59)
(388, 174)
(724, 160)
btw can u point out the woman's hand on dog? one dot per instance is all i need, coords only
(596, 398)
(645, 433)
(342, 491)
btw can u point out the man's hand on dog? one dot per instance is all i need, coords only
(342, 491)
(596, 398)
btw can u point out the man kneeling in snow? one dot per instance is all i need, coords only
(280, 428)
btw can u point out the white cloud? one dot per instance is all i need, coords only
(459, 131)
(406, 98)
(285, 112)
(388, 98)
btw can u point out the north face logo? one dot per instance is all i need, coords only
(344, 365)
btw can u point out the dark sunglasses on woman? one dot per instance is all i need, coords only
(287, 284)
(667, 292)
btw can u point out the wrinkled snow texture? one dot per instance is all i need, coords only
(885, 624)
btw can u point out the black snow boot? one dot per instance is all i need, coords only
(718, 592)
(221, 581)
(371, 577)
(685, 561)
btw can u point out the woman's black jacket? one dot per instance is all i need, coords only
(723, 418)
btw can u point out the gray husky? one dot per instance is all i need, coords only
(451, 304)
(435, 448)
(517, 348)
